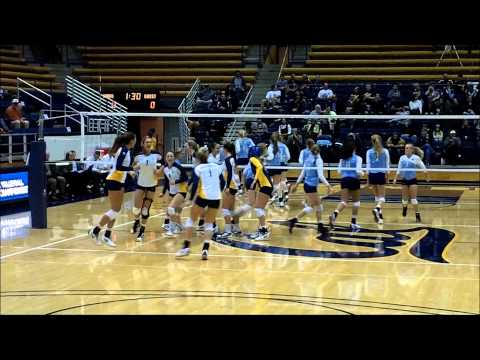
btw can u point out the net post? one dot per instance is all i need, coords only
(37, 188)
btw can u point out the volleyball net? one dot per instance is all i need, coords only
(449, 143)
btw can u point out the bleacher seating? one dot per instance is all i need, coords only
(386, 63)
(171, 69)
(12, 65)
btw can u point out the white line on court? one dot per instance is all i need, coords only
(270, 256)
(64, 240)
(138, 266)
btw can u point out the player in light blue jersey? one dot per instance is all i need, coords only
(311, 175)
(378, 158)
(278, 155)
(407, 165)
(305, 153)
(350, 170)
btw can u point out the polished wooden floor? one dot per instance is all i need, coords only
(60, 270)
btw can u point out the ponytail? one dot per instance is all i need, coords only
(274, 141)
(377, 144)
(417, 151)
(120, 141)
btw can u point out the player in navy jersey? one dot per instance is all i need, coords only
(122, 165)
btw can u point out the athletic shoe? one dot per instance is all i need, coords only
(95, 237)
(237, 233)
(380, 218)
(253, 235)
(262, 236)
(109, 242)
(177, 229)
(321, 229)
(166, 227)
(376, 216)
(135, 227)
(140, 237)
(404, 211)
(225, 234)
(291, 224)
(204, 254)
(281, 204)
(418, 218)
(355, 227)
(183, 252)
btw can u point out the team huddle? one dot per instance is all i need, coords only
(216, 182)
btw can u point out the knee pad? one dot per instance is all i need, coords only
(356, 204)
(188, 223)
(377, 199)
(112, 214)
(171, 211)
(209, 227)
(343, 203)
(136, 211)
(226, 212)
(414, 201)
(260, 212)
(381, 199)
(404, 202)
(307, 209)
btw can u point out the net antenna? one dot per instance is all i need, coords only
(447, 50)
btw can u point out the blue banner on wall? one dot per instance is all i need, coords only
(13, 186)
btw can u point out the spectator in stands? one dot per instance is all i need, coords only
(99, 171)
(222, 105)
(204, 99)
(449, 100)
(76, 177)
(367, 97)
(378, 107)
(445, 80)
(291, 86)
(432, 96)
(425, 130)
(452, 149)
(273, 94)
(298, 106)
(425, 143)
(239, 85)
(354, 101)
(437, 136)
(416, 105)
(326, 95)
(294, 144)
(55, 183)
(307, 129)
(14, 114)
(394, 99)
(466, 131)
(331, 121)
(282, 84)
(317, 110)
(284, 130)
(395, 145)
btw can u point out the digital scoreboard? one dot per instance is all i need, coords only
(143, 101)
